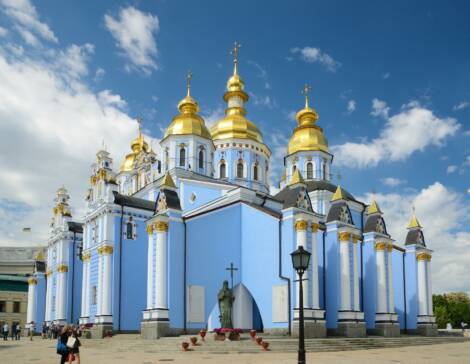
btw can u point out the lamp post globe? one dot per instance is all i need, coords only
(300, 261)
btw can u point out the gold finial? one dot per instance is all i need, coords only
(103, 145)
(305, 92)
(139, 122)
(234, 52)
(189, 77)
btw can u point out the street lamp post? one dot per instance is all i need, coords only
(300, 261)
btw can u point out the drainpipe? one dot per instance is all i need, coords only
(284, 278)
(120, 264)
(184, 279)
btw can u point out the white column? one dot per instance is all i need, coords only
(100, 282)
(356, 274)
(150, 267)
(84, 260)
(31, 311)
(87, 286)
(301, 240)
(107, 280)
(422, 284)
(314, 264)
(161, 265)
(345, 283)
(429, 285)
(62, 270)
(391, 295)
(47, 316)
(381, 277)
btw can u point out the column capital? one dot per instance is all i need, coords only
(161, 226)
(390, 248)
(301, 225)
(86, 257)
(356, 238)
(344, 236)
(48, 273)
(315, 227)
(32, 281)
(150, 229)
(107, 250)
(423, 256)
(380, 246)
(62, 268)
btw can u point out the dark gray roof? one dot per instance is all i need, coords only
(288, 196)
(415, 236)
(334, 214)
(18, 254)
(371, 223)
(75, 227)
(138, 203)
(172, 199)
(326, 186)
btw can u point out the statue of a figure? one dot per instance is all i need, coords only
(226, 299)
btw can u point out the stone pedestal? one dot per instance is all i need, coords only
(98, 331)
(314, 323)
(386, 324)
(154, 329)
(351, 324)
(427, 329)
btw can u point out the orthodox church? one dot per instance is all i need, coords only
(161, 235)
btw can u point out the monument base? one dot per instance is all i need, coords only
(427, 329)
(314, 323)
(154, 329)
(387, 329)
(351, 324)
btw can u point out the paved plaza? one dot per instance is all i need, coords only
(131, 349)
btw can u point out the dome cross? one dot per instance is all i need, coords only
(234, 52)
(189, 77)
(305, 92)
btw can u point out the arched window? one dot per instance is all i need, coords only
(201, 159)
(240, 169)
(223, 170)
(294, 168)
(255, 172)
(324, 170)
(309, 170)
(182, 157)
(129, 230)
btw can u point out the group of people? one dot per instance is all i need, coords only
(15, 331)
(51, 331)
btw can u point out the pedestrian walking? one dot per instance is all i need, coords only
(5, 331)
(44, 330)
(463, 325)
(32, 327)
(13, 331)
(18, 331)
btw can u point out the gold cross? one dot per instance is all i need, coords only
(139, 122)
(305, 92)
(189, 77)
(234, 51)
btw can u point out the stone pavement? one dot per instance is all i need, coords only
(131, 349)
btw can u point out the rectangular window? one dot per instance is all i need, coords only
(3, 306)
(16, 307)
(93, 295)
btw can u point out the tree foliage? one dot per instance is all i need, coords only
(451, 307)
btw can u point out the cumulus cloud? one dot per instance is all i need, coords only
(3, 32)
(451, 169)
(379, 108)
(315, 55)
(351, 106)
(461, 105)
(23, 13)
(134, 32)
(412, 129)
(214, 115)
(264, 101)
(444, 214)
(52, 124)
(391, 181)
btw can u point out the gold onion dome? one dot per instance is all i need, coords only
(188, 121)
(307, 135)
(138, 146)
(235, 124)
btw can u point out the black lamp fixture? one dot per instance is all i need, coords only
(300, 261)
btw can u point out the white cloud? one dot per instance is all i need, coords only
(391, 181)
(278, 142)
(461, 105)
(264, 101)
(212, 116)
(444, 214)
(28, 37)
(134, 32)
(411, 130)
(3, 32)
(99, 74)
(379, 108)
(351, 107)
(386, 75)
(24, 13)
(262, 73)
(313, 55)
(52, 124)
(451, 169)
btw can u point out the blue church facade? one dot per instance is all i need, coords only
(161, 235)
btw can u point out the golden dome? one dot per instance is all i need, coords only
(188, 121)
(235, 124)
(138, 146)
(307, 135)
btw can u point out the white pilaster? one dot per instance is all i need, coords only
(356, 274)
(150, 267)
(422, 285)
(301, 240)
(100, 283)
(344, 242)
(429, 285)
(161, 265)
(62, 270)
(391, 295)
(381, 277)
(314, 264)
(31, 310)
(106, 308)
(47, 315)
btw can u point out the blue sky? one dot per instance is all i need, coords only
(390, 81)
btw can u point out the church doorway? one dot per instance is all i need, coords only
(245, 311)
